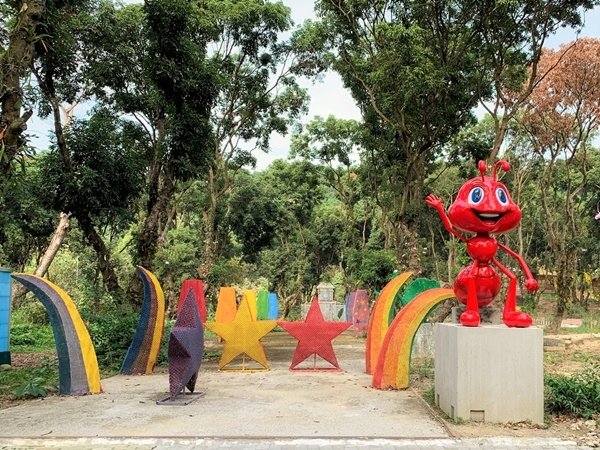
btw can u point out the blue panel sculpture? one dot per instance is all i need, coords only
(273, 306)
(4, 316)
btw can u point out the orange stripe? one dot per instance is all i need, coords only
(379, 321)
(226, 305)
(393, 365)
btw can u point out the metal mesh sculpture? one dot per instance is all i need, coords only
(78, 371)
(273, 306)
(360, 312)
(226, 305)
(197, 288)
(4, 316)
(314, 337)
(349, 309)
(242, 336)
(262, 305)
(379, 320)
(143, 351)
(249, 296)
(186, 347)
(393, 363)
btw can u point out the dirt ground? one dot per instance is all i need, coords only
(565, 355)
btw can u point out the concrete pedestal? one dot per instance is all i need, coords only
(489, 373)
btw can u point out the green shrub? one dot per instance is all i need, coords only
(33, 312)
(30, 335)
(163, 359)
(112, 334)
(577, 394)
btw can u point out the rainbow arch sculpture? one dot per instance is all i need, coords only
(78, 371)
(143, 351)
(379, 320)
(393, 364)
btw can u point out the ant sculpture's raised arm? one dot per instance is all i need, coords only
(483, 206)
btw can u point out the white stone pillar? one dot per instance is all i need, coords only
(490, 373)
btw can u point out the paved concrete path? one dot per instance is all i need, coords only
(275, 403)
(269, 409)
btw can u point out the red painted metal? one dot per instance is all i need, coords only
(484, 207)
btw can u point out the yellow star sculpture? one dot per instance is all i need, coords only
(242, 336)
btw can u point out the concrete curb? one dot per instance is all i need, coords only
(159, 443)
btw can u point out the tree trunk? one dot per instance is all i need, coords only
(210, 235)
(111, 281)
(500, 129)
(148, 236)
(14, 65)
(407, 248)
(49, 254)
(54, 246)
(160, 191)
(565, 283)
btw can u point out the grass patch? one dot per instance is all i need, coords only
(29, 382)
(423, 367)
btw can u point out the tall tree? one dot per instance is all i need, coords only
(336, 144)
(410, 66)
(258, 95)
(513, 36)
(148, 62)
(291, 262)
(21, 19)
(104, 179)
(560, 118)
(59, 57)
(416, 70)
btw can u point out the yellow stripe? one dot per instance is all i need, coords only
(250, 295)
(159, 324)
(379, 323)
(92, 372)
(404, 328)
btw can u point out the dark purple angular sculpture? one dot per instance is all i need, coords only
(186, 347)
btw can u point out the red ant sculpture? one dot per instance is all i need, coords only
(483, 206)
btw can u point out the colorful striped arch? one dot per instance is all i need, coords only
(378, 322)
(143, 351)
(262, 305)
(393, 365)
(250, 296)
(78, 371)
(273, 306)
(226, 305)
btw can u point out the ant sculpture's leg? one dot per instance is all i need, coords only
(511, 317)
(470, 318)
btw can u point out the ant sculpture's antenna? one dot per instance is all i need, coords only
(503, 164)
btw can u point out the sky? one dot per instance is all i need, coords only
(328, 95)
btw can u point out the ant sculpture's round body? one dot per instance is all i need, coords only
(484, 207)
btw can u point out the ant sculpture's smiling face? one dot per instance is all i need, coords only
(483, 204)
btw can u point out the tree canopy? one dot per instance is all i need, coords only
(160, 110)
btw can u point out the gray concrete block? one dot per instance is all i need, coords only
(489, 373)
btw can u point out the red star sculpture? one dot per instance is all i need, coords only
(314, 336)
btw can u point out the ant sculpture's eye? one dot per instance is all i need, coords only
(502, 196)
(475, 196)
